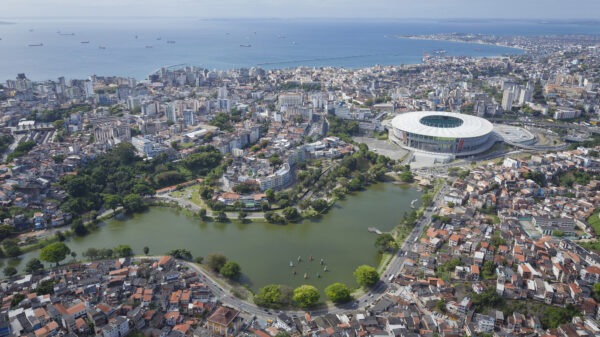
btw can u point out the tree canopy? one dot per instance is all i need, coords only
(366, 276)
(216, 261)
(231, 270)
(54, 252)
(273, 296)
(338, 293)
(306, 296)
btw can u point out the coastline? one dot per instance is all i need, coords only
(483, 43)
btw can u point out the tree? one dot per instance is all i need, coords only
(338, 293)
(231, 270)
(112, 201)
(133, 203)
(406, 176)
(221, 216)
(182, 254)
(17, 298)
(273, 296)
(54, 252)
(385, 242)
(91, 253)
(242, 216)
(146, 250)
(216, 261)
(306, 296)
(199, 259)
(11, 248)
(440, 306)
(122, 251)
(10, 271)
(270, 194)
(290, 213)
(489, 269)
(78, 228)
(45, 287)
(74, 255)
(366, 276)
(34, 265)
(319, 205)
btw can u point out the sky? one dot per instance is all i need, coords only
(401, 9)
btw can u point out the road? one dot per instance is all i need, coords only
(190, 205)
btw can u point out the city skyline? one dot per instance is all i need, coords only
(435, 9)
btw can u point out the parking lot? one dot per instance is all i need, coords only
(383, 147)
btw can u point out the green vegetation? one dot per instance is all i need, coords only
(216, 261)
(119, 177)
(366, 276)
(274, 296)
(231, 270)
(54, 252)
(21, 150)
(338, 293)
(50, 116)
(33, 266)
(342, 128)
(550, 316)
(576, 176)
(10, 271)
(107, 253)
(306, 296)
(594, 221)
(445, 269)
(17, 298)
(45, 287)
(5, 141)
(385, 242)
(555, 316)
(11, 248)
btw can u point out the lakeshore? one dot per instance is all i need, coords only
(264, 250)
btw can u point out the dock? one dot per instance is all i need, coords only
(374, 230)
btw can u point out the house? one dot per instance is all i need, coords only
(116, 327)
(222, 321)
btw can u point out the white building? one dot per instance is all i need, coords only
(117, 327)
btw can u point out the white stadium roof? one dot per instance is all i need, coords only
(471, 126)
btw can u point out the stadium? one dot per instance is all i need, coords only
(444, 133)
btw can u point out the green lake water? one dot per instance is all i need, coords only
(263, 250)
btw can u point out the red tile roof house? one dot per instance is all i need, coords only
(223, 321)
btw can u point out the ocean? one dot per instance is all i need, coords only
(136, 47)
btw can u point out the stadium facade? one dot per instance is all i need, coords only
(445, 133)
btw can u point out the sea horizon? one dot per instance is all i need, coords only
(75, 47)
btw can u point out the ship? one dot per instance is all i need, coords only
(148, 47)
(170, 41)
(36, 45)
(412, 203)
(158, 38)
(85, 42)
(246, 45)
(102, 47)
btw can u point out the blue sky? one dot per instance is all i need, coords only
(521, 9)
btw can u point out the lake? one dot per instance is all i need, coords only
(264, 250)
